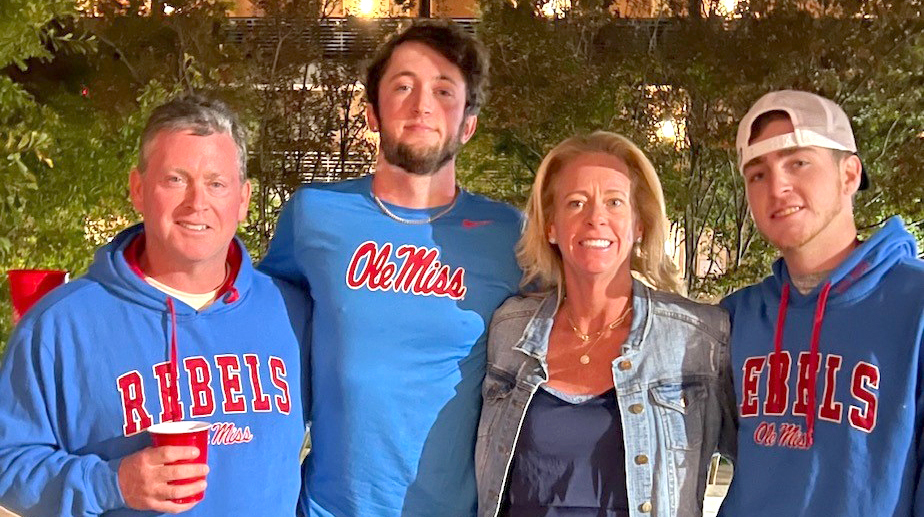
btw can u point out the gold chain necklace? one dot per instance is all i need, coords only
(403, 220)
(596, 336)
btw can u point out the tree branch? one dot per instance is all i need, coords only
(122, 57)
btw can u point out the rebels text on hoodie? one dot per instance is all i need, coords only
(830, 388)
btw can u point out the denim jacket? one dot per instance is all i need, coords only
(673, 386)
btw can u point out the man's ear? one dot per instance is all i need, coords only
(135, 190)
(245, 201)
(468, 127)
(372, 121)
(852, 173)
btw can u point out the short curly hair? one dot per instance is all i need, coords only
(452, 42)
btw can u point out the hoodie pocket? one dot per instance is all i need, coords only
(681, 408)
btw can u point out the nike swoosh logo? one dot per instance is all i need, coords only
(469, 223)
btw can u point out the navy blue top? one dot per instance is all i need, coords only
(569, 459)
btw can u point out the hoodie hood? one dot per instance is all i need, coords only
(836, 417)
(115, 267)
(118, 275)
(859, 273)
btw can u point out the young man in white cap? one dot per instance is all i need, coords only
(826, 351)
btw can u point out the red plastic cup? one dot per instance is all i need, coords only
(184, 433)
(28, 285)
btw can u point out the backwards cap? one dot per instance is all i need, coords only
(816, 120)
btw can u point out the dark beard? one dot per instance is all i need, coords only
(422, 162)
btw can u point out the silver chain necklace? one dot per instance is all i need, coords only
(403, 220)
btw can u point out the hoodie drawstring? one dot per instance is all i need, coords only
(173, 392)
(813, 360)
(776, 367)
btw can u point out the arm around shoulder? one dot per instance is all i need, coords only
(281, 260)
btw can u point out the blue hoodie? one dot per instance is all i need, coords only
(845, 441)
(82, 378)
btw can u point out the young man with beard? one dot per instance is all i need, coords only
(405, 270)
(827, 351)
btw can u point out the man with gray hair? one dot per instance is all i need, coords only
(171, 323)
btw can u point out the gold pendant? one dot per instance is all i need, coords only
(585, 359)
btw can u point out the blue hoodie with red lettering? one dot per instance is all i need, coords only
(86, 371)
(830, 388)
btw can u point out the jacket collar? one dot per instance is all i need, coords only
(535, 339)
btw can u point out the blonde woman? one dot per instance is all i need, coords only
(604, 396)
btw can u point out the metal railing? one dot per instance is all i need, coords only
(338, 37)
(359, 37)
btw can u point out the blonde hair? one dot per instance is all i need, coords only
(541, 261)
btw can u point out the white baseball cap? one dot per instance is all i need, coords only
(816, 120)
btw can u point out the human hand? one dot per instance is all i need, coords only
(144, 477)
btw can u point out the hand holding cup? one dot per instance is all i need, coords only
(170, 476)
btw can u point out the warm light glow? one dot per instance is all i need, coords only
(555, 8)
(726, 7)
(667, 130)
(168, 9)
(668, 114)
(366, 7)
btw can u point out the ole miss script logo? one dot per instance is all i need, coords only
(414, 269)
(859, 411)
(265, 383)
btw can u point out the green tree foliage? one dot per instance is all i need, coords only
(305, 108)
(584, 70)
(76, 118)
(76, 91)
(29, 30)
(80, 104)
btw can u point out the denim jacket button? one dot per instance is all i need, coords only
(636, 409)
(641, 459)
(645, 507)
(625, 365)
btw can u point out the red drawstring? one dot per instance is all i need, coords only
(173, 392)
(227, 291)
(776, 367)
(813, 360)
